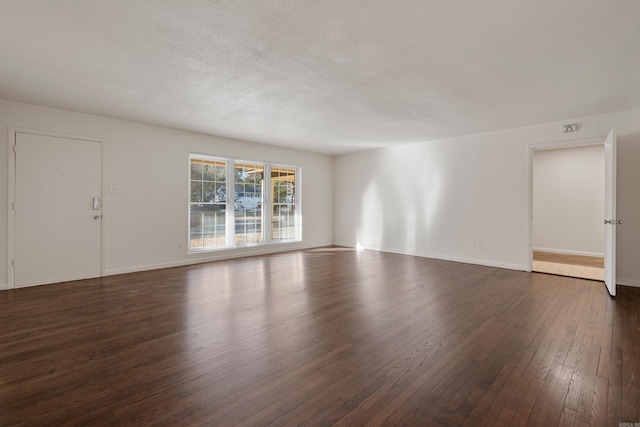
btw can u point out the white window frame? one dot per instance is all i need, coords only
(267, 204)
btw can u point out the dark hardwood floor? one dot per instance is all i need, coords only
(330, 336)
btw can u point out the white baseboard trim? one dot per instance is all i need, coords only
(475, 261)
(628, 282)
(569, 252)
(4, 286)
(208, 257)
(344, 244)
(148, 267)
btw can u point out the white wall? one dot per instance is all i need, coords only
(437, 199)
(146, 222)
(467, 198)
(568, 200)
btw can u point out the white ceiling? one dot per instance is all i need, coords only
(331, 76)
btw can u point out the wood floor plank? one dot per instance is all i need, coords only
(328, 336)
(598, 415)
(630, 358)
(520, 385)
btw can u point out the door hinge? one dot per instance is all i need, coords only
(15, 148)
(13, 263)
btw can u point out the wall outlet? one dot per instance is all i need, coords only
(180, 245)
(479, 245)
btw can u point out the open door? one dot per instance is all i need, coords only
(610, 220)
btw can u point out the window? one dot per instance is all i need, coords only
(235, 203)
(248, 178)
(207, 204)
(283, 196)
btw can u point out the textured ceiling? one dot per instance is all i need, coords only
(331, 76)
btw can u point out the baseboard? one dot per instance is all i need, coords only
(344, 244)
(568, 252)
(4, 286)
(148, 267)
(475, 261)
(628, 282)
(215, 256)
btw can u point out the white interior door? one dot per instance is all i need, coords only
(610, 212)
(57, 228)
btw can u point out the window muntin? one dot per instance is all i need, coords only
(233, 204)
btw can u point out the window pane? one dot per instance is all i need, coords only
(248, 224)
(196, 169)
(207, 226)
(208, 192)
(196, 192)
(221, 193)
(214, 171)
(283, 184)
(283, 222)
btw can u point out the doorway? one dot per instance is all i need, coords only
(567, 210)
(56, 219)
(576, 239)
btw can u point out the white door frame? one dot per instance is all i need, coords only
(11, 194)
(583, 142)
